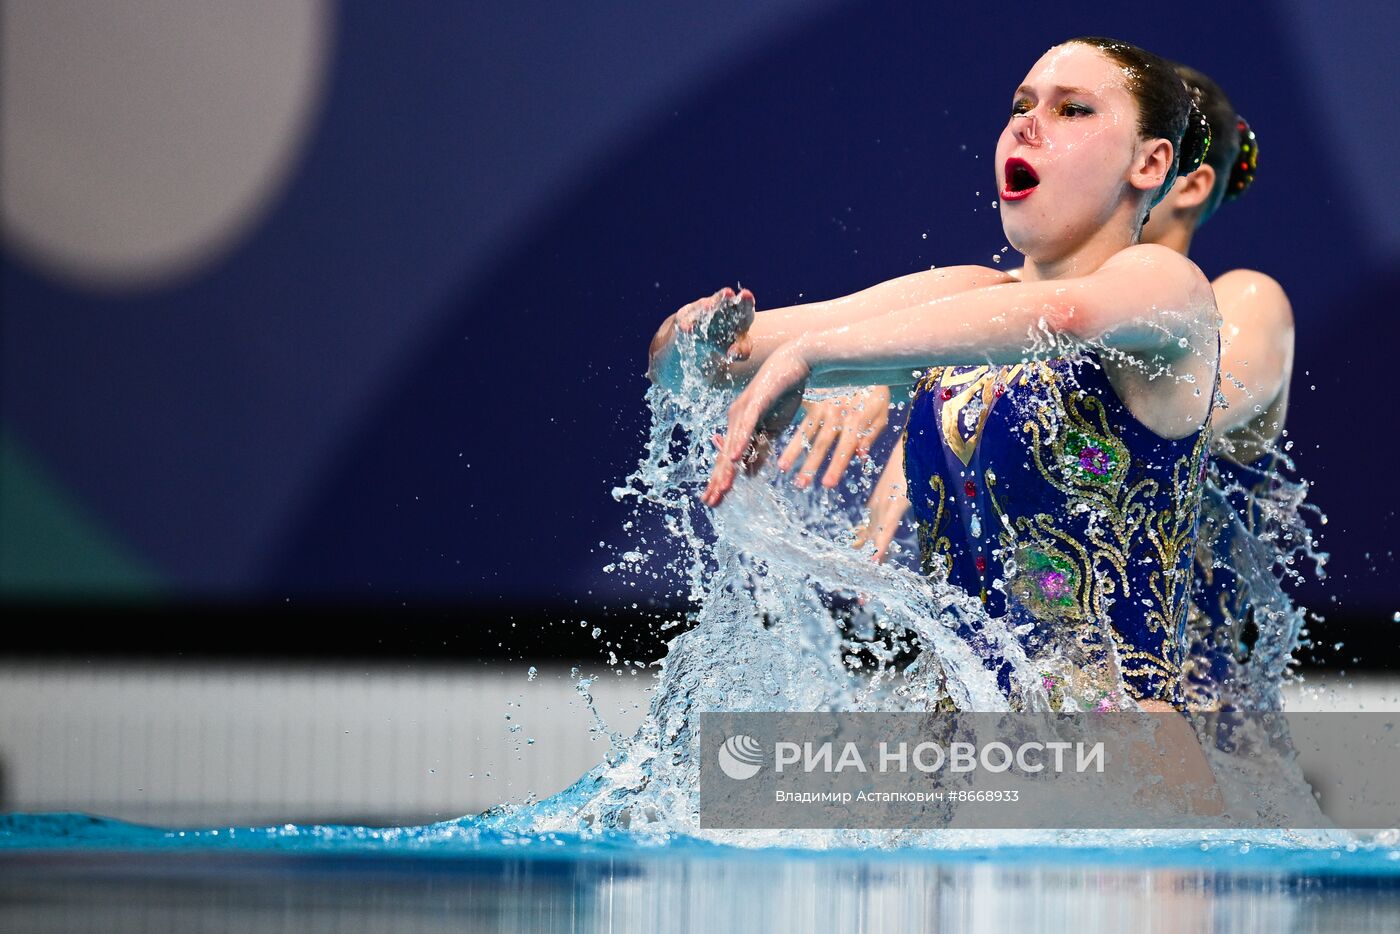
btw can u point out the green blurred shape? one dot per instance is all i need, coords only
(50, 548)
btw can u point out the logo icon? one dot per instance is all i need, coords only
(740, 757)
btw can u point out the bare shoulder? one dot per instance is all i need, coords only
(1161, 277)
(1251, 294)
(1159, 262)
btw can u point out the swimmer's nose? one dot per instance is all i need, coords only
(1027, 128)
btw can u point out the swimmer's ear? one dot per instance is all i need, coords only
(1154, 161)
(1194, 190)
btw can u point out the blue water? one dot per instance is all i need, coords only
(479, 837)
(72, 872)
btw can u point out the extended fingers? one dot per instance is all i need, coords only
(724, 317)
(686, 315)
(872, 428)
(691, 314)
(721, 481)
(884, 535)
(746, 307)
(721, 476)
(811, 424)
(841, 459)
(821, 446)
(740, 439)
(890, 518)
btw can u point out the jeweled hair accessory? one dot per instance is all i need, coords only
(1202, 129)
(1245, 164)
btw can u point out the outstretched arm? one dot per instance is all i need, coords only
(742, 347)
(1148, 302)
(1144, 302)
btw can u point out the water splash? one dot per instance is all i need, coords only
(1255, 526)
(791, 618)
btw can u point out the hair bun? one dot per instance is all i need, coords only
(1195, 142)
(1246, 163)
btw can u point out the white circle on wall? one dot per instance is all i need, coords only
(140, 140)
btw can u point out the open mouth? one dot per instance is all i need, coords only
(1021, 180)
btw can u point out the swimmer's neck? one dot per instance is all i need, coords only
(1082, 261)
(1175, 236)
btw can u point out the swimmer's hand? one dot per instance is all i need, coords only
(888, 504)
(758, 416)
(714, 329)
(850, 423)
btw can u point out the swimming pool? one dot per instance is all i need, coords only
(74, 873)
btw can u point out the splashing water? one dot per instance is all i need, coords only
(772, 585)
(1260, 533)
(791, 618)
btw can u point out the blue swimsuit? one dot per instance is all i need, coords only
(1036, 489)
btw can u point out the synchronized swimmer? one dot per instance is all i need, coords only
(1044, 451)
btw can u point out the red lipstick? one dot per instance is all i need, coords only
(1020, 180)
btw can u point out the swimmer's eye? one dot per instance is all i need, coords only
(1070, 109)
(1021, 106)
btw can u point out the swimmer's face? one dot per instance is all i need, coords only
(1066, 158)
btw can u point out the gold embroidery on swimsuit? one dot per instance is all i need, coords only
(1171, 532)
(934, 546)
(978, 383)
(1058, 577)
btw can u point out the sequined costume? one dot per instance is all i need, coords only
(1036, 489)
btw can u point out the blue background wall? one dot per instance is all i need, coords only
(417, 375)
